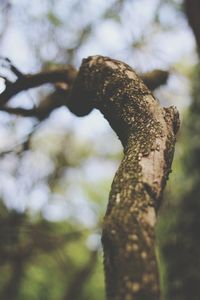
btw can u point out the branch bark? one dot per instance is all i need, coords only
(147, 132)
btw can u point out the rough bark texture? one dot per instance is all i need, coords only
(147, 132)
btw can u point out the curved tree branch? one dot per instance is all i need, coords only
(147, 132)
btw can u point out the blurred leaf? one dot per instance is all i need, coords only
(111, 14)
(54, 19)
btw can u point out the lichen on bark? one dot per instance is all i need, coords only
(147, 132)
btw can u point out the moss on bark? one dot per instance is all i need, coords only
(147, 132)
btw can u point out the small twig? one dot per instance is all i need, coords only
(155, 78)
(6, 80)
(12, 67)
(24, 145)
(20, 111)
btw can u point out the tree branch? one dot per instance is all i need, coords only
(155, 78)
(20, 111)
(52, 101)
(147, 132)
(25, 82)
(66, 75)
